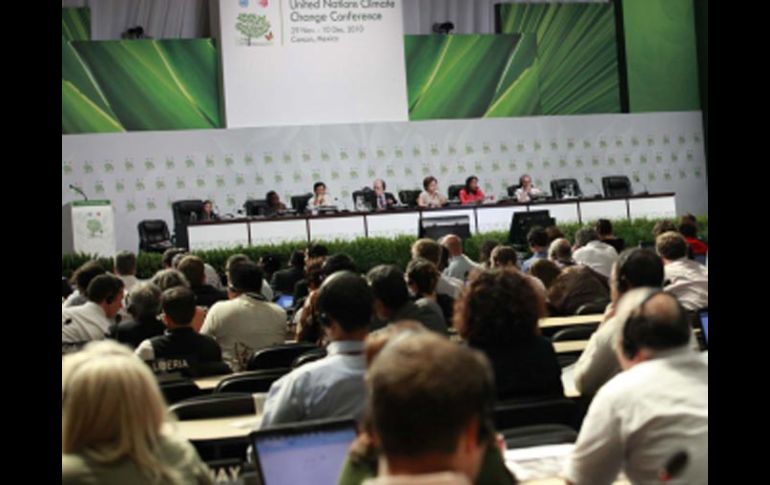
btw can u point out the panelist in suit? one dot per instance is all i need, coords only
(430, 197)
(320, 197)
(274, 204)
(382, 200)
(526, 191)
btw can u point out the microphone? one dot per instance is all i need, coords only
(674, 466)
(79, 191)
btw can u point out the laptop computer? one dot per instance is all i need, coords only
(306, 452)
(285, 301)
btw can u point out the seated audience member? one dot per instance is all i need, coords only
(560, 252)
(574, 287)
(270, 263)
(460, 265)
(193, 269)
(274, 204)
(431, 197)
(93, 319)
(80, 280)
(603, 228)
(684, 278)
(167, 259)
(114, 426)
(392, 304)
(314, 252)
(663, 226)
(505, 257)
(526, 191)
(125, 269)
(546, 271)
(180, 347)
(430, 407)
(635, 268)
(422, 277)
(698, 248)
(471, 193)
(383, 200)
(283, 280)
(320, 197)
(486, 251)
(590, 251)
(247, 321)
(363, 457)
(171, 278)
(655, 409)
(334, 385)
(266, 290)
(553, 233)
(431, 250)
(143, 309)
(538, 244)
(66, 289)
(498, 314)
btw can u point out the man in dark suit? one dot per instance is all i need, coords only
(382, 200)
(283, 281)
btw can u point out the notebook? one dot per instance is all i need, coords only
(306, 452)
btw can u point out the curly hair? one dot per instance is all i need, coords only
(499, 307)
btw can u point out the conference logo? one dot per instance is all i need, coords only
(129, 165)
(372, 172)
(88, 168)
(287, 157)
(220, 181)
(160, 184)
(229, 162)
(416, 151)
(66, 168)
(99, 187)
(189, 162)
(240, 179)
(248, 159)
(94, 227)
(120, 186)
(254, 30)
(170, 165)
(109, 167)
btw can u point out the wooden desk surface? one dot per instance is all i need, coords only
(570, 346)
(210, 382)
(217, 428)
(573, 320)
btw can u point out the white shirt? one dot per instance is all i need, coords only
(522, 195)
(84, 323)
(689, 283)
(440, 478)
(243, 325)
(460, 267)
(324, 200)
(330, 387)
(641, 418)
(212, 277)
(129, 281)
(598, 256)
(448, 285)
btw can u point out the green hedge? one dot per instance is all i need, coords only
(369, 252)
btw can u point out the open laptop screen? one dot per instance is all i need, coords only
(311, 452)
(285, 301)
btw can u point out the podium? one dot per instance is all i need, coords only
(88, 226)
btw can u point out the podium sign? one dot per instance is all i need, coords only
(88, 226)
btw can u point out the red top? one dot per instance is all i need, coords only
(698, 246)
(467, 198)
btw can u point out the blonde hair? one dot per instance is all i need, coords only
(112, 409)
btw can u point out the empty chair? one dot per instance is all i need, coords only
(538, 435)
(409, 197)
(453, 192)
(187, 211)
(299, 202)
(154, 236)
(253, 381)
(527, 412)
(309, 356)
(364, 196)
(564, 188)
(214, 406)
(576, 333)
(179, 390)
(512, 190)
(616, 186)
(593, 307)
(278, 356)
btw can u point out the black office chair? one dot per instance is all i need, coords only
(453, 192)
(309, 356)
(154, 236)
(367, 197)
(512, 190)
(409, 197)
(617, 186)
(278, 356)
(561, 188)
(254, 381)
(538, 435)
(214, 406)
(299, 202)
(183, 211)
(179, 390)
(578, 332)
(531, 411)
(255, 207)
(591, 308)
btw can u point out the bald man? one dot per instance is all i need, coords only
(460, 265)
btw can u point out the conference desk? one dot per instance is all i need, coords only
(571, 320)
(216, 428)
(345, 226)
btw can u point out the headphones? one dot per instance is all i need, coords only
(636, 319)
(319, 314)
